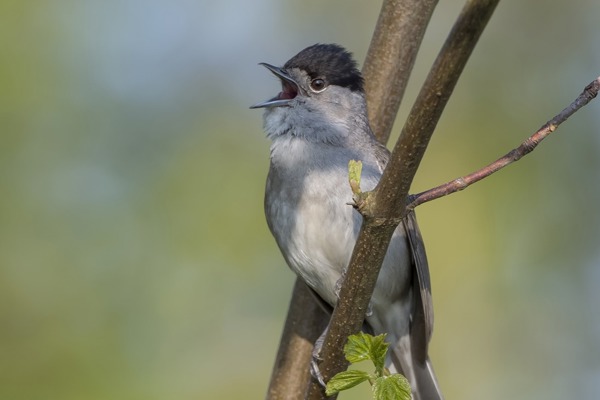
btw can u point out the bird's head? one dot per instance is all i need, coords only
(322, 94)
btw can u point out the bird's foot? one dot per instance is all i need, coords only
(339, 283)
(369, 310)
(315, 371)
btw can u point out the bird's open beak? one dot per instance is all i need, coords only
(289, 89)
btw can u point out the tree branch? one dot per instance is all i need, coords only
(393, 49)
(588, 94)
(385, 206)
(391, 57)
(392, 52)
(305, 322)
(391, 193)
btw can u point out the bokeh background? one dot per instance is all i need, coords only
(135, 262)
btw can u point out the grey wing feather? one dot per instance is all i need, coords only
(427, 386)
(422, 320)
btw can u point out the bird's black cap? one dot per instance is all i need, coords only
(330, 62)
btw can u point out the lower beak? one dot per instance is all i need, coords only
(289, 89)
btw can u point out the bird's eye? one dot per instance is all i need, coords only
(318, 85)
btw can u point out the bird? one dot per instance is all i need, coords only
(317, 123)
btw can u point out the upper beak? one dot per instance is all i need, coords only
(288, 92)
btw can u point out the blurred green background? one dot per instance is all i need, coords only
(135, 262)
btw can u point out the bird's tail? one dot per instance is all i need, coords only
(419, 373)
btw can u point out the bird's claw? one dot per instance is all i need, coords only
(338, 284)
(315, 371)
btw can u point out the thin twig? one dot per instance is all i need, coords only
(391, 194)
(588, 94)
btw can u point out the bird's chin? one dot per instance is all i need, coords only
(276, 121)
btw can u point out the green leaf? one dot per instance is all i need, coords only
(362, 346)
(346, 380)
(392, 387)
(357, 347)
(379, 348)
(354, 173)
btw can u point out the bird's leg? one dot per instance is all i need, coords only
(315, 371)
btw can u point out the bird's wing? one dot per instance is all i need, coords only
(422, 318)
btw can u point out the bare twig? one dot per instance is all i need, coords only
(392, 54)
(391, 193)
(386, 204)
(589, 93)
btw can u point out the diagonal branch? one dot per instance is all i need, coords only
(392, 191)
(588, 94)
(384, 208)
